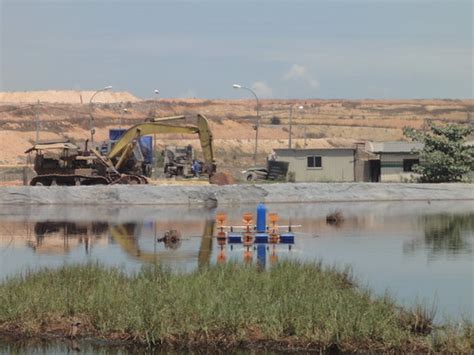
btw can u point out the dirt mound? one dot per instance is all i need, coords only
(222, 178)
(66, 96)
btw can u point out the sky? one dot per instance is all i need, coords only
(279, 48)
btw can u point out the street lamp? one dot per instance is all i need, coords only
(291, 116)
(153, 155)
(91, 118)
(238, 86)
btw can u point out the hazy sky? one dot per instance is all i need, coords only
(282, 49)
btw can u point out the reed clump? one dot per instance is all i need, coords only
(291, 306)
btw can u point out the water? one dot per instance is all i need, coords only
(68, 347)
(418, 251)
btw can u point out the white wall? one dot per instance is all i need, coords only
(392, 173)
(337, 165)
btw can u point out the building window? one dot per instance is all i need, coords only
(314, 162)
(408, 164)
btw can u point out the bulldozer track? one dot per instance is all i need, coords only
(68, 180)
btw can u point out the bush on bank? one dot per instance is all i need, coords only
(291, 306)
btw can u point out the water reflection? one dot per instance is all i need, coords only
(59, 237)
(415, 249)
(444, 234)
(81, 346)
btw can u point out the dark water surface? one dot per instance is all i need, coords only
(418, 251)
(70, 347)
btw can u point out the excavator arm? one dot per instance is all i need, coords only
(144, 129)
(205, 137)
(124, 146)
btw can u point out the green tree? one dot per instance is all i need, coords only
(445, 157)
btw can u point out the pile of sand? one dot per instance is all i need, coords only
(14, 144)
(65, 96)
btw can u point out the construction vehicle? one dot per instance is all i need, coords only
(275, 170)
(178, 161)
(63, 163)
(145, 144)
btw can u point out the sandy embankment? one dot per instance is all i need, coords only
(212, 195)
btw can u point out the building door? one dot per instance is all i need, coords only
(374, 170)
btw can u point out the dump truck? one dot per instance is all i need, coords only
(274, 170)
(64, 163)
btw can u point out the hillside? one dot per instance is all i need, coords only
(325, 123)
(64, 96)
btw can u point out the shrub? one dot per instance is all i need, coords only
(275, 120)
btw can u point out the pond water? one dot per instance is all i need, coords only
(418, 251)
(67, 347)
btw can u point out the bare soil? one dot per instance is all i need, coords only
(324, 123)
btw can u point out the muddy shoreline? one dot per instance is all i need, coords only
(212, 195)
(201, 343)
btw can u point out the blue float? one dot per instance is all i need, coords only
(234, 238)
(261, 218)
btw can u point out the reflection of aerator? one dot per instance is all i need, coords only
(254, 237)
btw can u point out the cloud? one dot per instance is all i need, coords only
(296, 72)
(262, 89)
(299, 72)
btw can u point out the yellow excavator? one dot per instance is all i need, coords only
(63, 163)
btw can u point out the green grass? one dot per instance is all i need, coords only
(291, 306)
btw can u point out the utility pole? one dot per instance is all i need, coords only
(289, 131)
(153, 155)
(37, 121)
(290, 123)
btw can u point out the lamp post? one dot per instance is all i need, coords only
(238, 86)
(153, 155)
(91, 118)
(289, 122)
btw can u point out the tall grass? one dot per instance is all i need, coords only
(292, 305)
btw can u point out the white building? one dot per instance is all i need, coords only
(395, 160)
(324, 164)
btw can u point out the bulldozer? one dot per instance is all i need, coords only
(64, 163)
